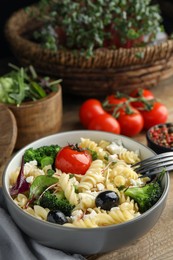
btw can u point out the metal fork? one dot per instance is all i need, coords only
(154, 164)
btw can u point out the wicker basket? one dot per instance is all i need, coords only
(106, 72)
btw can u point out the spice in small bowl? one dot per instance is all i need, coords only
(160, 138)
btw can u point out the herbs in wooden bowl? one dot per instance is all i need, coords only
(35, 101)
(23, 85)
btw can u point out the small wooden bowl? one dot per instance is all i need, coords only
(36, 119)
(8, 134)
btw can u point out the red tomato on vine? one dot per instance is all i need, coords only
(157, 115)
(112, 101)
(131, 121)
(90, 109)
(105, 122)
(144, 94)
(115, 100)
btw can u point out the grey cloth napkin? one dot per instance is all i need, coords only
(15, 245)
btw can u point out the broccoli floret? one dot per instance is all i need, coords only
(44, 155)
(56, 202)
(147, 195)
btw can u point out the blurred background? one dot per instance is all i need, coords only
(10, 6)
(6, 9)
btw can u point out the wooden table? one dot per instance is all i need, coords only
(158, 243)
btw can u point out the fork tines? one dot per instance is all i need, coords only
(155, 164)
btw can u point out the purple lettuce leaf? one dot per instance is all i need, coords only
(21, 184)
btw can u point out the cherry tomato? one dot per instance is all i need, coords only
(112, 101)
(73, 159)
(89, 109)
(105, 122)
(130, 124)
(157, 115)
(143, 93)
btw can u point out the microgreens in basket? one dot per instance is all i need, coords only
(23, 84)
(90, 24)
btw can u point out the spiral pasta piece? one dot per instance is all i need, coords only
(103, 144)
(129, 157)
(92, 176)
(109, 184)
(86, 201)
(125, 199)
(119, 181)
(21, 200)
(124, 170)
(83, 223)
(114, 216)
(87, 143)
(38, 212)
(69, 189)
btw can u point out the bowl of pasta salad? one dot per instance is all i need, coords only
(77, 191)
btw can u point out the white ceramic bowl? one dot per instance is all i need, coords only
(84, 240)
